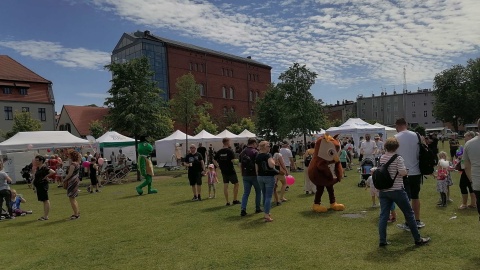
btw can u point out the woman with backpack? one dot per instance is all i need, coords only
(396, 194)
(310, 188)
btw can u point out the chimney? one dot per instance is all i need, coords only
(249, 57)
(146, 33)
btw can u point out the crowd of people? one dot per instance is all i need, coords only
(265, 166)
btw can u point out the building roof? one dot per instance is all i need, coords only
(14, 71)
(82, 116)
(147, 35)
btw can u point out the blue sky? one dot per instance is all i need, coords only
(355, 46)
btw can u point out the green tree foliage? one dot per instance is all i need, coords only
(420, 130)
(244, 123)
(23, 121)
(302, 112)
(97, 128)
(269, 116)
(227, 120)
(184, 105)
(457, 91)
(135, 104)
(206, 123)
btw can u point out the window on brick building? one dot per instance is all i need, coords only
(201, 90)
(250, 96)
(23, 91)
(414, 114)
(256, 95)
(42, 114)
(225, 110)
(232, 93)
(232, 109)
(7, 90)
(251, 112)
(8, 113)
(191, 66)
(224, 92)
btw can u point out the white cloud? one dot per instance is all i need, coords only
(67, 57)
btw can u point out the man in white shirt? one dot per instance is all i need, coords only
(471, 159)
(287, 157)
(409, 150)
(380, 150)
(368, 148)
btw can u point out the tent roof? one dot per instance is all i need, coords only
(205, 136)
(177, 135)
(32, 140)
(386, 128)
(227, 134)
(356, 125)
(247, 134)
(114, 139)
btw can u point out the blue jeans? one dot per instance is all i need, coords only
(400, 198)
(267, 184)
(248, 182)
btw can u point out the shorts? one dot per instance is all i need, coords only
(195, 179)
(93, 180)
(231, 178)
(411, 184)
(42, 191)
(344, 164)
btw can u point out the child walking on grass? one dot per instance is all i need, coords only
(373, 190)
(212, 181)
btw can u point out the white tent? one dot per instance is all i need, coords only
(227, 134)
(33, 140)
(247, 134)
(112, 142)
(165, 148)
(204, 137)
(390, 132)
(356, 127)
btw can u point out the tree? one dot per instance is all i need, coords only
(23, 121)
(205, 123)
(303, 113)
(228, 119)
(420, 130)
(457, 86)
(183, 105)
(135, 103)
(269, 118)
(96, 128)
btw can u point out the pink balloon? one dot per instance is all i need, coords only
(100, 161)
(290, 180)
(86, 164)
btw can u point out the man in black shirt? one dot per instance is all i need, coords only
(223, 159)
(203, 151)
(196, 165)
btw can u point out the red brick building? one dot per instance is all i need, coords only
(22, 90)
(228, 82)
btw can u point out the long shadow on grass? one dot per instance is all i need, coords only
(312, 214)
(56, 222)
(129, 196)
(212, 209)
(16, 223)
(401, 245)
(182, 202)
(472, 264)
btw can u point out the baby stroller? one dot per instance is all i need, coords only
(115, 174)
(365, 167)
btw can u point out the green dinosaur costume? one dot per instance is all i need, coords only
(146, 167)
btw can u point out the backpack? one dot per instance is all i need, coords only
(307, 160)
(381, 177)
(427, 158)
(248, 164)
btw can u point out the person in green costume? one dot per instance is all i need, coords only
(146, 167)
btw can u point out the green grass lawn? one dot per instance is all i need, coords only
(120, 230)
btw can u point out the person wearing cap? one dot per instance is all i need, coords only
(195, 164)
(409, 150)
(224, 160)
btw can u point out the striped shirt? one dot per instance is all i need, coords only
(397, 164)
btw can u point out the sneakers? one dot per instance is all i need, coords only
(236, 202)
(420, 224)
(227, 204)
(194, 198)
(258, 211)
(403, 226)
(384, 244)
(287, 188)
(243, 213)
(422, 241)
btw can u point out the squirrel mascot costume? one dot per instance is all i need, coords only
(146, 167)
(325, 170)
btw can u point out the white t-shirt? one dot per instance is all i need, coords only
(368, 148)
(286, 155)
(409, 150)
(471, 152)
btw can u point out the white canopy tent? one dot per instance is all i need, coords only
(34, 140)
(165, 148)
(112, 142)
(247, 134)
(227, 134)
(390, 132)
(356, 127)
(17, 151)
(205, 137)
